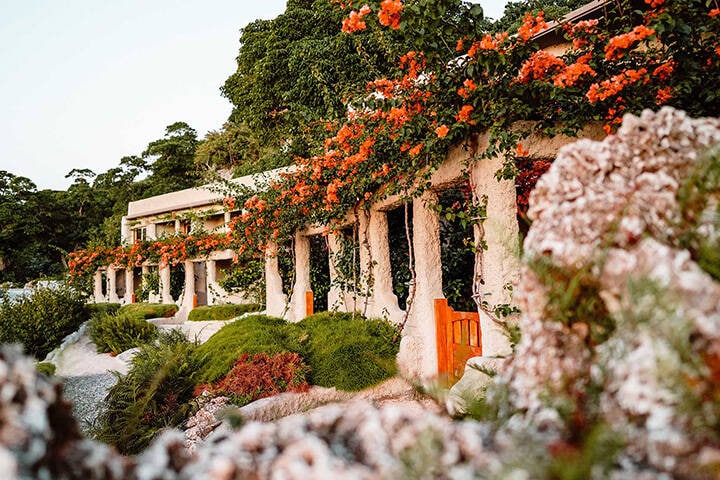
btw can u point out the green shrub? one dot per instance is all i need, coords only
(153, 395)
(343, 352)
(149, 310)
(40, 321)
(222, 312)
(97, 309)
(347, 353)
(120, 332)
(253, 334)
(258, 376)
(46, 368)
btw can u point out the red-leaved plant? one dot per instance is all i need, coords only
(259, 376)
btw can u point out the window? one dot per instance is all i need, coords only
(140, 234)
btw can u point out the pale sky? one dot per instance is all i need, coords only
(85, 82)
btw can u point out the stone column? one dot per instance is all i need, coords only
(227, 218)
(164, 272)
(112, 285)
(97, 287)
(189, 290)
(211, 286)
(418, 349)
(336, 297)
(151, 231)
(302, 278)
(129, 285)
(500, 262)
(384, 302)
(275, 300)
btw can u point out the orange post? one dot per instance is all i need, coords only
(441, 320)
(195, 301)
(309, 303)
(133, 298)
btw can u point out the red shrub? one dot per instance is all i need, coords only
(261, 375)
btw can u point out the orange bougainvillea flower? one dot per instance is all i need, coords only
(654, 3)
(354, 22)
(664, 95)
(389, 13)
(415, 151)
(613, 86)
(617, 45)
(520, 151)
(714, 12)
(572, 73)
(442, 131)
(464, 114)
(539, 65)
(531, 25)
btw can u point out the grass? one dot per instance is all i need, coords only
(120, 332)
(222, 312)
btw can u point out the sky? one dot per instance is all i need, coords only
(84, 83)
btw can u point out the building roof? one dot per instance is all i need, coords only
(206, 195)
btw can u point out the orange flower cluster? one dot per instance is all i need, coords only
(580, 31)
(613, 86)
(654, 3)
(354, 22)
(714, 12)
(531, 26)
(664, 95)
(615, 49)
(389, 13)
(664, 71)
(571, 74)
(539, 65)
(442, 131)
(488, 42)
(468, 86)
(464, 114)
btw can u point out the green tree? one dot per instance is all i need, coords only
(170, 161)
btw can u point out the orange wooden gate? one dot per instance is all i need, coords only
(309, 303)
(458, 338)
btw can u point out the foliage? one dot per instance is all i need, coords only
(145, 311)
(46, 368)
(258, 376)
(222, 312)
(120, 332)
(40, 321)
(247, 278)
(153, 394)
(97, 309)
(150, 284)
(343, 350)
(346, 351)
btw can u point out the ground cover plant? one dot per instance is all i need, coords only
(153, 395)
(149, 310)
(122, 331)
(103, 308)
(40, 321)
(222, 312)
(261, 375)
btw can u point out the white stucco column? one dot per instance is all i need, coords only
(275, 299)
(112, 285)
(151, 231)
(383, 302)
(227, 218)
(501, 260)
(129, 285)
(97, 287)
(164, 272)
(336, 297)
(211, 285)
(418, 349)
(189, 290)
(302, 278)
